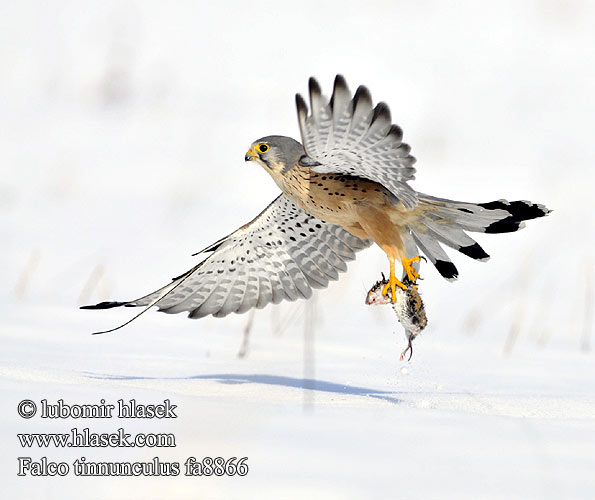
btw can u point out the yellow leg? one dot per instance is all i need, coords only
(393, 282)
(409, 269)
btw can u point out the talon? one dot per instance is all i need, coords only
(392, 286)
(409, 269)
(393, 282)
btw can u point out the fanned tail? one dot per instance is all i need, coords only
(446, 222)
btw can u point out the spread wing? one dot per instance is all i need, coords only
(281, 255)
(349, 136)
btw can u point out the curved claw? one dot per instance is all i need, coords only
(412, 274)
(392, 286)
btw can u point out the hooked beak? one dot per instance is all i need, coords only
(249, 155)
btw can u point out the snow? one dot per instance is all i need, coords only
(124, 124)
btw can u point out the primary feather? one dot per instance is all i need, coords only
(349, 136)
(282, 254)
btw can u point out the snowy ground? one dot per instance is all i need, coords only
(124, 126)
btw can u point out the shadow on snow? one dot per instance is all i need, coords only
(278, 380)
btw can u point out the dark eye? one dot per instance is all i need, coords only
(262, 148)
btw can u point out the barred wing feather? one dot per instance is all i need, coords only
(349, 136)
(281, 255)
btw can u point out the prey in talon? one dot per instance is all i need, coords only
(407, 305)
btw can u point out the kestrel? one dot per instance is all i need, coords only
(343, 188)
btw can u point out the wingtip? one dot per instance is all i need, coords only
(104, 305)
(362, 94)
(302, 107)
(382, 112)
(314, 87)
(396, 132)
(341, 89)
(340, 83)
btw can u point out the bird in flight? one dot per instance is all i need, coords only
(344, 187)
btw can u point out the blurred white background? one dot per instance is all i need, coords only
(124, 126)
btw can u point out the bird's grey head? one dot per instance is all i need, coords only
(275, 152)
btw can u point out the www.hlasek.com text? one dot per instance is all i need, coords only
(84, 438)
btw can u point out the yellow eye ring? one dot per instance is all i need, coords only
(262, 148)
